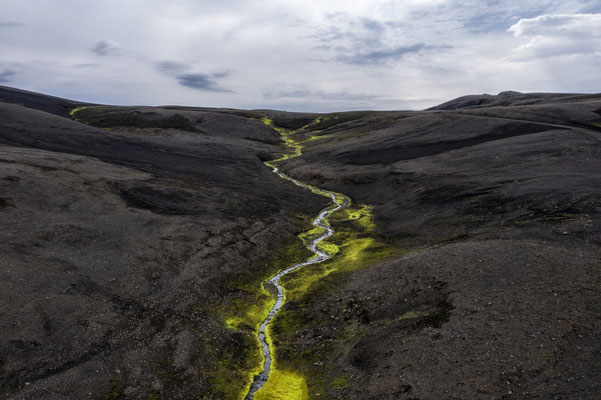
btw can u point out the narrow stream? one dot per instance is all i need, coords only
(339, 202)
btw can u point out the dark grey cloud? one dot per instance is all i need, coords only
(219, 75)
(362, 41)
(200, 82)
(5, 74)
(373, 25)
(172, 67)
(11, 24)
(379, 56)
(179, 71)
(105, 48)
(353, 32)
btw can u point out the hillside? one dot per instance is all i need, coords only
(131, 235)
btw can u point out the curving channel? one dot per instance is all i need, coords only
(339, 202)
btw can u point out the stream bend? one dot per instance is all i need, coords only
(339, 202)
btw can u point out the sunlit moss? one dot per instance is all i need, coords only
(309, 235)
(235, 372)
(352, 244)
(73, 113)
(314, 122)
(249, 314)
(354, 247)
(283, 385)
(361, 214)
(352, 254)
(230, 376)
(329, 248)
(313, 138)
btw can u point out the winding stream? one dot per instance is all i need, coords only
(339, 202)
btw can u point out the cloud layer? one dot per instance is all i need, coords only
(317, 55)
(105, 48)
(559, 35)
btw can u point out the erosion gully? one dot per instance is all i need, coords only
(339, 202)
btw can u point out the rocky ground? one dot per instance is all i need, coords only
(119, 248)
(498, 210)
(125, 237)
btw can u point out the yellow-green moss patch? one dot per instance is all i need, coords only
(283, 385)
(73, 113)
(354, 247)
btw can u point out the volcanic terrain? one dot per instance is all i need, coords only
(135, 240)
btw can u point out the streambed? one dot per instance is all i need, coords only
(339, 202)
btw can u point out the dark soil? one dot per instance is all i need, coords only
(498, 210)
(118, 247)
(123, 235)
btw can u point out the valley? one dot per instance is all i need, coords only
(463, 262)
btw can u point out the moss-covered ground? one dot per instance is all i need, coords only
(253, 301)
(353, 246)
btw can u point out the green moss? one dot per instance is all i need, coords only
(73, 113)
(361, 214)
(353, 245)
(235, 372)
(283, 385)
(248, 315)
(313, 138)
(235, 369)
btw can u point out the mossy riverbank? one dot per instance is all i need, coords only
(352, 246)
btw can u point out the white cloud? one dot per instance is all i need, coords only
(560, 24)
(316, 55)
(558, 35)
(543, 46)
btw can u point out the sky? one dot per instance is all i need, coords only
(310, 55)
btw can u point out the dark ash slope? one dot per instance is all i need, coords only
(122, 241)
(121, 247)
(499, 211)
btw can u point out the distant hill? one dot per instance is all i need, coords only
(511, 98)
(136, 240)
(38, 101)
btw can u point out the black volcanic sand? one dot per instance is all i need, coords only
(121, 240)
(498, 210)
(118, 248)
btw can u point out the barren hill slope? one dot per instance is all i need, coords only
(130, 234)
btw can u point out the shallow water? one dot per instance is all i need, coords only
(320, 256)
